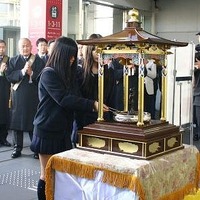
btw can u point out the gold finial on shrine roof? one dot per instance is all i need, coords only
(134, 15)
(133, 22)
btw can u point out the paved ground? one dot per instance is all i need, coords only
(18, 177)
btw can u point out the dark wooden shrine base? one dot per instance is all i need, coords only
(146, 142)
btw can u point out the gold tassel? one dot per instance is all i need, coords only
(10, 103)
(75, 168)
(181, 193)
(49, 179)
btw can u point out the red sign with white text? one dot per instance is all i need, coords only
(53, 19)
(45, 20)
(37, 23)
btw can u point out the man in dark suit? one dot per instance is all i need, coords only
(4, 95)
(42, 47)
(22, 72)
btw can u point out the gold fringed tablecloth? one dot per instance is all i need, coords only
(168, 177)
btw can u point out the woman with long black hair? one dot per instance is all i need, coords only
(55, 114)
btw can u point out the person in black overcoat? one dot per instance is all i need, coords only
(24, 93)
(4, 95)
(196, 94)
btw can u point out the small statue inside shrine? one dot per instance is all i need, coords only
(131, 101)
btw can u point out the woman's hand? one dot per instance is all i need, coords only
(96, 107)
(105, 108)
(197, 64)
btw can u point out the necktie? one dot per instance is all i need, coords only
(43, 58)
(25, 58)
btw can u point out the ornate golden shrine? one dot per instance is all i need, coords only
(133, 44)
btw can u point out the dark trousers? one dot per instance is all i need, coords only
(149, 104)
(3, 132)
(19, 139)
(197, 112)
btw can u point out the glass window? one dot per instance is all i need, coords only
(103, 20)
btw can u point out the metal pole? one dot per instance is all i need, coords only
(141, 91)
(100, 87)
(191, 101)
(174, 85)
(125, 87)
(180, 107)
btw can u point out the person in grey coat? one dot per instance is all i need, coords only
(24, 92)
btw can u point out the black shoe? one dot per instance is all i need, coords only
(5, 143)
(35, 156)
(16, 153)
